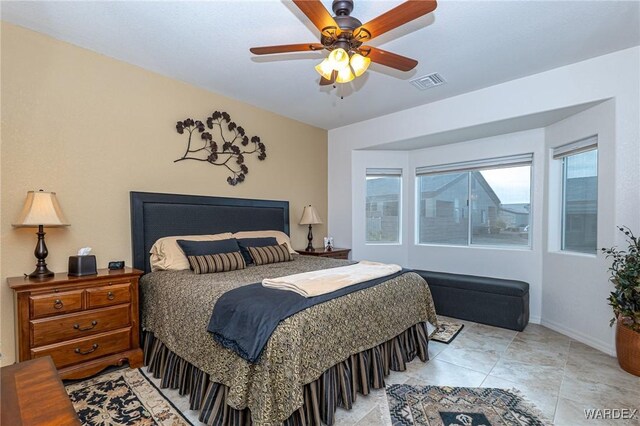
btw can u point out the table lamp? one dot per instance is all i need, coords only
(41, 209)
(310, 217)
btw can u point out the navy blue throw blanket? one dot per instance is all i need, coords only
(244, 318)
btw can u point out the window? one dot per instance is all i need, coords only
(485, 202)
(383, 205)
(579, 195)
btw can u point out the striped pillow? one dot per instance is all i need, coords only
(270, 254)
(221, 262)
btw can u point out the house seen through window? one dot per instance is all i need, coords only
(485, 202)
(383, 205)
(580, 199)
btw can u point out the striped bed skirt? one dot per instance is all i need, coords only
(336, 387)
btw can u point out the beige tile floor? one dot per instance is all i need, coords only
(561, 376)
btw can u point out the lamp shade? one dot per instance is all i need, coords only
(338, 58)
(310, 216)
(345, 75)
(359, 64)
(41, 208)
(325, 69)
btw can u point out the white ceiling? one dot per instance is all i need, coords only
(472, 44)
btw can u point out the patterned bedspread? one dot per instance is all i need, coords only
(177, 305)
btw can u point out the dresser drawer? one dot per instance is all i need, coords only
(85, 349)
(43, 305)
(72, 326)
(108, 295)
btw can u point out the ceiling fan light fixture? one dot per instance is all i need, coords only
(325, 69)
(345, 75)
(343, 36)
(359, 64)
(338, 58)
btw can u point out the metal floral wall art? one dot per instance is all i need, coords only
(227, 148)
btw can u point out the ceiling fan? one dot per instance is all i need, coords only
(344, 36)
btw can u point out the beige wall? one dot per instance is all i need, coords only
(92, 128)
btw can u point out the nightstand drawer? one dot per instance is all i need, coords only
(80, 350)
(72, 326)
(336, 253)
(108, 295)
(343, 255)
(43, 305)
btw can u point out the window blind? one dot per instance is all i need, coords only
(489, 163)
(384, 172)
(583, 145)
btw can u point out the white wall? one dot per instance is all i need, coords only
(575, 283)
(563, 87)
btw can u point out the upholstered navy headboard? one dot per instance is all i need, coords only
(155, 215)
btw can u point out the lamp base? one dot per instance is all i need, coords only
(310, 238)
(40, 273)
(41, 253)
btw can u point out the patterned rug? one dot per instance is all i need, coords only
(123, 397)
(445, 406)
(447, 331)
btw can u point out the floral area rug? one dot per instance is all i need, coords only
(448, 406)
(447, 331)
(122, 397)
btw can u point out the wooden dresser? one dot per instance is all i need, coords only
(84, 323)
(336, 253)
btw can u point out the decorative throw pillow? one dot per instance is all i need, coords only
(270, 254)
(280, 236)
(166, 254)
(199, 248)
(222, 262)
(245, 243)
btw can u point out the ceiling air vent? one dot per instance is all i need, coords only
(428, 81)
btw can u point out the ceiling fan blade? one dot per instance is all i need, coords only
(286, 48)
(318, 14)
(388, 59)
(399, 15)
(325, 82)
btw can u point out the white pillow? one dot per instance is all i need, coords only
(280, 237)
(166, 254)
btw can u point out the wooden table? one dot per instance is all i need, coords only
(32, 394)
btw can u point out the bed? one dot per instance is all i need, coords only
(316, 360)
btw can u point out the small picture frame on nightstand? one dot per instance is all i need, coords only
(328, 243)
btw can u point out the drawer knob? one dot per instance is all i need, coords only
(111, 296)
(93, 324)
(81, 352)
(58, 304)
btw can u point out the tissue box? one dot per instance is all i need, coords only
(82, 265)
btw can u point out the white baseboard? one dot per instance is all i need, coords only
(535, 320)
(605, 347)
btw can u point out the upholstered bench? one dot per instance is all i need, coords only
(492, 301)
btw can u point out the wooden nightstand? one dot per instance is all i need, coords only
(84, 323)
(336, 253)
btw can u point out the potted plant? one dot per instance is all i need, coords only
(625, 300)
